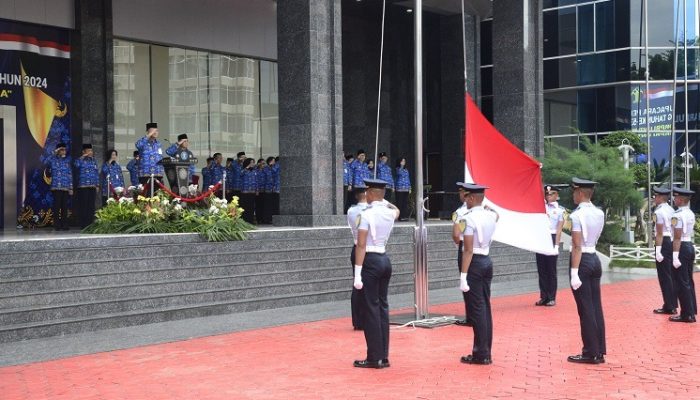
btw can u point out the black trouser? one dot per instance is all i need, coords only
(465, 295)
(479, 304)
(355, 297)
(60, 209)
(275, 204)
(376, 273)
(268, 206)
(590, 308)
(402, 204)
(260, 208)
(85, 205)
(683, 280)
(145, 181)
(664, 270)
(247, 202)
(547, 274)
(346, 199)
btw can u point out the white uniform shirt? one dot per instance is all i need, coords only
(480, 223)
(353, 214)
(664, 212)
(458, 215)
(589, 220)
(555, 213)
(378, 220)
(685, 219)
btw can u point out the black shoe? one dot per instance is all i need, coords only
(541, 302)
(679, 318)
(464, 322)
(664, 311)
(386, 363)
(581, 359)
(370, 364)
(356, 328)
(551, 303)
(470, 359)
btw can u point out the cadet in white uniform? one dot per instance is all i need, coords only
(458, 238)
(479, 225)
(587, 223)
(373, 272)
(547, 263)
(353, 222)
(663, 212)
(683, 222)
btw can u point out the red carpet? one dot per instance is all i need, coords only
(648, 358)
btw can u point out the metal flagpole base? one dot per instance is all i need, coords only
(434, 320)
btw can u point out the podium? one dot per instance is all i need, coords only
(177, 170)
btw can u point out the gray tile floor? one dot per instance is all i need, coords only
(122, 338)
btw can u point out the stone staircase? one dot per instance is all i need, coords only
(88, 283)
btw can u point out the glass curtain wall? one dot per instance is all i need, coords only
(595, 63)
(224, 103)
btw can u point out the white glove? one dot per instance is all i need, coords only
(659, 257)
(575, 280)
(463, 285)
(556, 250)
(676, 261)
(358, 277)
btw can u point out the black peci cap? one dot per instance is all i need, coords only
(151, 125)
(382, 154)
(240, 153)
(60, 145)
(136, 153)
(181, 137)
(87, 146)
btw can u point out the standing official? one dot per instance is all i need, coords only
(663, 213)
(237, 169)
(113, 170)
(384, 173)
(206, 175)
(587, 223)
(359, 171)
(547, 263)
(683, 222)
(347, 182)
(478, 224)
(353, 221)
(151, 154)
(61, 185)
(458, 238)
(133, 167)
(88, 183)
(183, 143)
(403, 188)
(373, 272)
(249, 187)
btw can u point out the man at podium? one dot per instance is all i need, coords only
(180, 151)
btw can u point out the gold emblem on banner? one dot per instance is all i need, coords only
(40, 109)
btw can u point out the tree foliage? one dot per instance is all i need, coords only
(616, 188)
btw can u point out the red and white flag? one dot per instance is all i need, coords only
(514, 181)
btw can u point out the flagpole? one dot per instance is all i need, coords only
(646, 113)
(686, 169)
(420, 233)
(379, 91)
(673, 101)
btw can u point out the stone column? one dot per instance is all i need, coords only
(92, 76)
(517, 73)
(452, 101)
(310, 112)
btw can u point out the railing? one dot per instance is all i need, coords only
(636, 253)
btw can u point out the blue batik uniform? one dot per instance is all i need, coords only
(116, 178)
(236, 176)
(269, 180)
(217, 173)
(403, 182)
(133, 168)
(172, 150)
(206, 178)
(86, 167)
(151, 153)
(230, 177)
(384, 173)
(275, 178)
(249, 181)
(261, 176)
(347, 177)
(61, 172)
(360, 172)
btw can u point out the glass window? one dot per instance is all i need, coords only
(586, 110)
(568, 142)
(661, 64)
(558, 3)
(605, 25)
(560, 113)
(223, 103)
(662, 22)
(559, 33)
(585, 29)
(486, 42)
(559, 73)
(487, 107)
(606, 110)
(486, 81)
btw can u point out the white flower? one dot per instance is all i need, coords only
(214, 209)
(211, 187)
(176, 200)
(177, 207)
(123, 200)
(192, 189)
(131, 188)
(165, 202)
(111, 200)
(118, 190)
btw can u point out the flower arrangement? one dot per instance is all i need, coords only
(215, 219)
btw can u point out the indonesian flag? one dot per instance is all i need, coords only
(514, 181)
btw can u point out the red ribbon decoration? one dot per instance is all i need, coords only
(190, 200)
